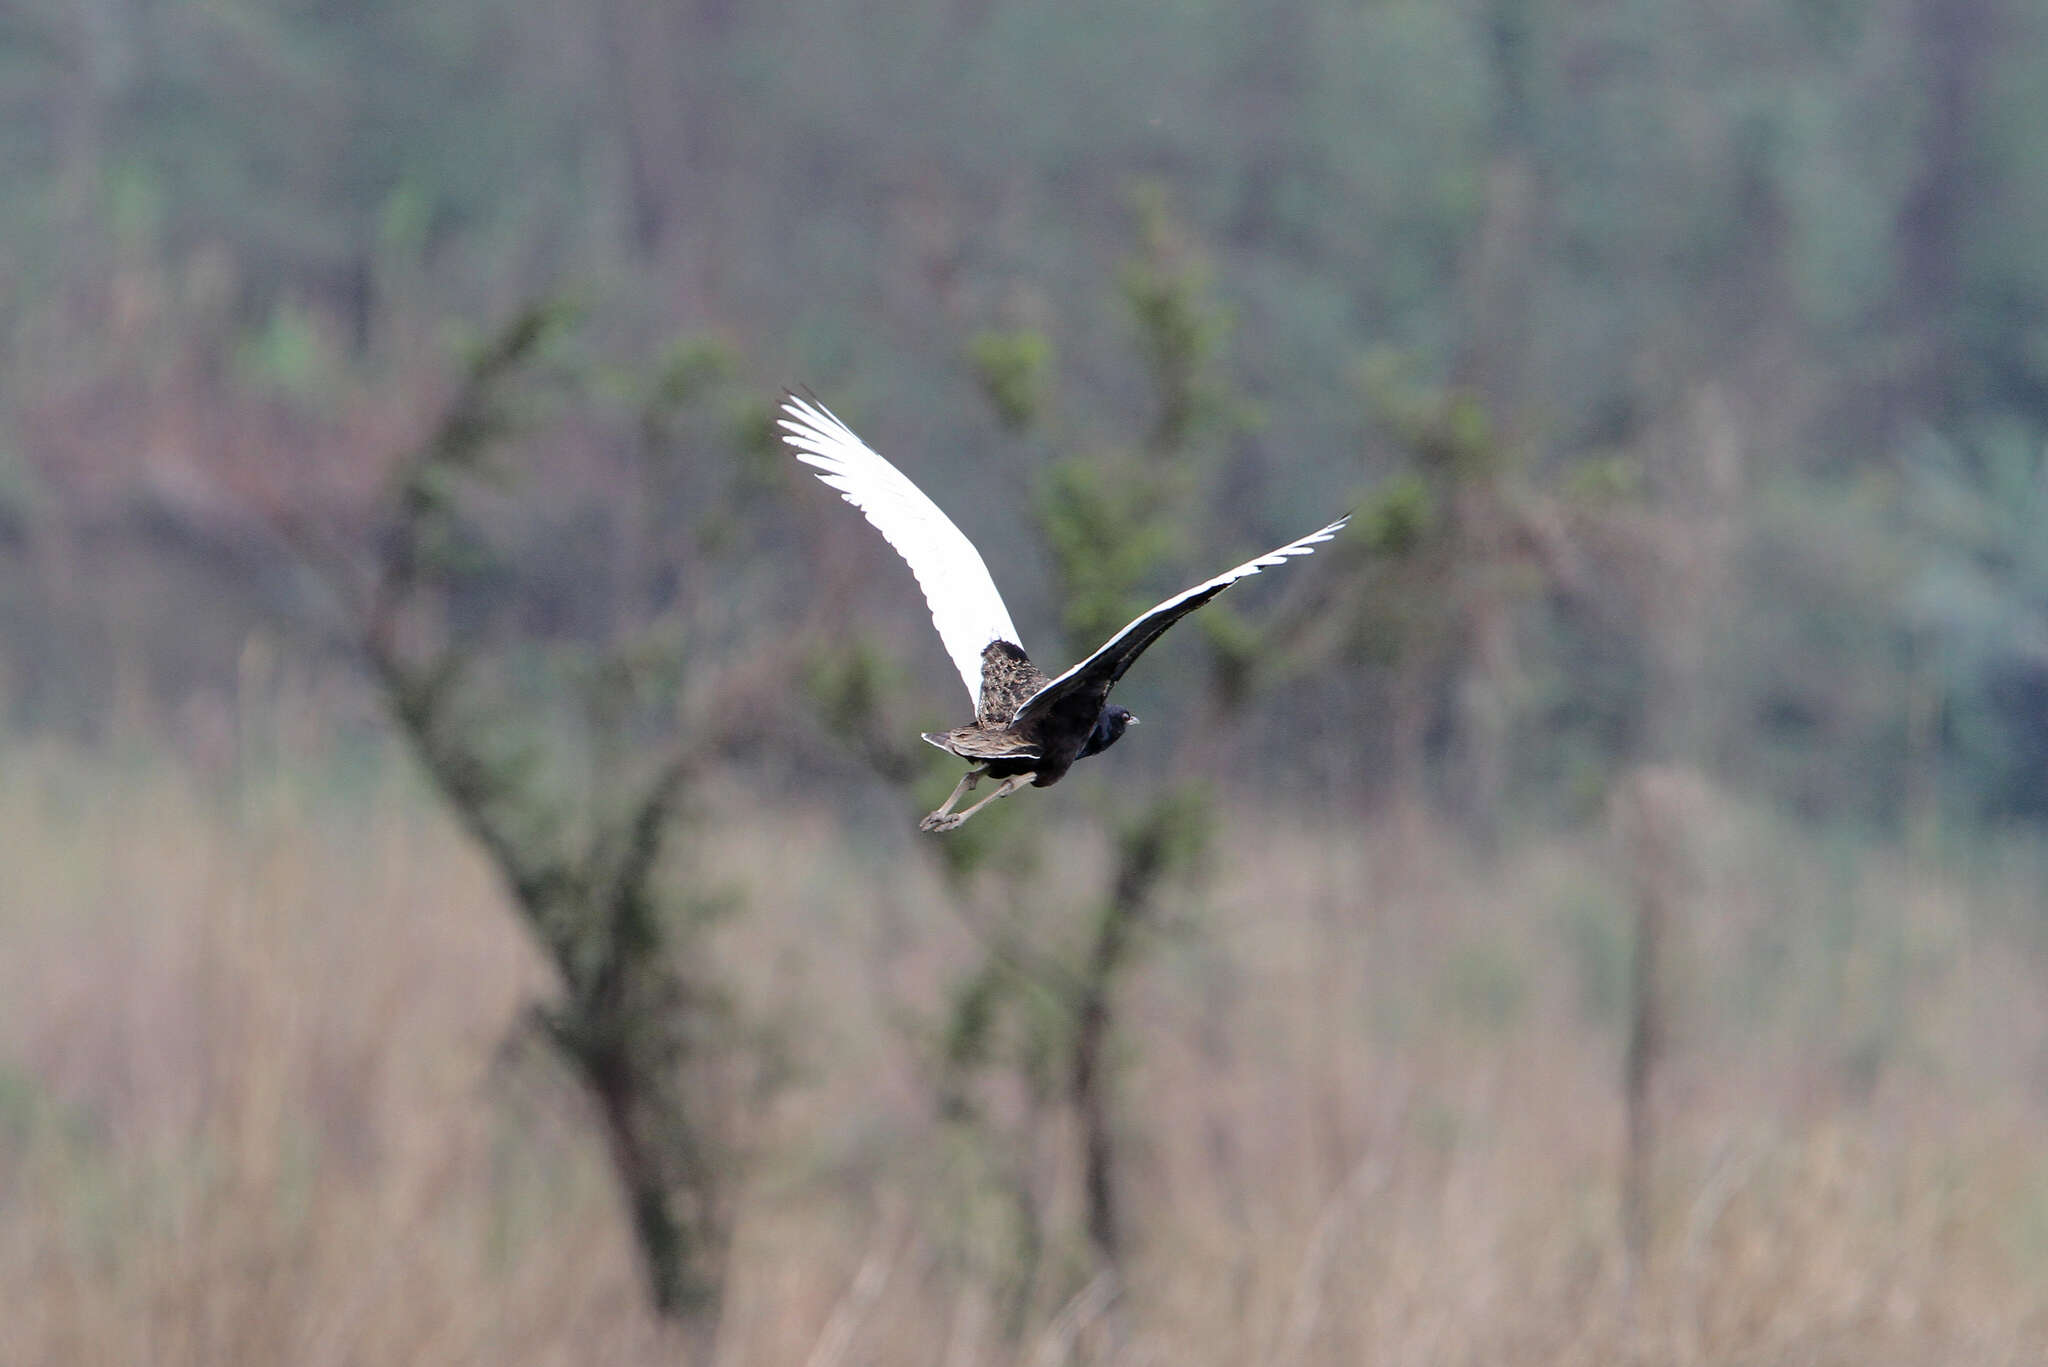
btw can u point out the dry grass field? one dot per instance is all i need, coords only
(261, 1100)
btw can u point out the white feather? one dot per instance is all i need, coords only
(1305, 546)
(965, 606)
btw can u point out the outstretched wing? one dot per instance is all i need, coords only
(1108, 664)
(966, 608)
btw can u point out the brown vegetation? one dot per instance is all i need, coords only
(261, 1107)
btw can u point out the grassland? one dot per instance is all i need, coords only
(263, 1098)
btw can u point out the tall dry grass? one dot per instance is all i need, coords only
(261, 1100)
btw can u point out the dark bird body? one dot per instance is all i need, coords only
(1027, 728)
(1046, 743)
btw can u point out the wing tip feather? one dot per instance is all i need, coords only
(1303, 546)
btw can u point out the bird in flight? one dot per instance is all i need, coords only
(1027, 728)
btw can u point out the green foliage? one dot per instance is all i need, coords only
(1608, 478)
(1398, 517)
(1238, 655)
(693, 400)
(494, 404)
(848, 685)
(1166, 840)
(1166, 289)
(1102, 527)
(1005, 1015)
(288, 355)
(757, 446)
(853, 686)
(1448, 429)
(686, 373)
(509, 376)
(1014, 369)
(405, 222)
(1006, 851)
(970, 1029)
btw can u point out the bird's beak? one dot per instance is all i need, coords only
(1133, 721)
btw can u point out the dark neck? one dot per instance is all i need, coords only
(1109, 727)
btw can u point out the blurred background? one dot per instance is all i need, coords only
(461, 899)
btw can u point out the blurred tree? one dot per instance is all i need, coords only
(585, 841)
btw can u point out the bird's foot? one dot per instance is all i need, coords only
(943, 820)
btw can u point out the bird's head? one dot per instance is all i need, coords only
(1109, 728)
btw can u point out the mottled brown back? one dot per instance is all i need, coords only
(1007, 678)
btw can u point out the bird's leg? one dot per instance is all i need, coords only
(961, 789)
(946, 821)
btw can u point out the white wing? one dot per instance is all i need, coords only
(1108, 664)
(966, 608)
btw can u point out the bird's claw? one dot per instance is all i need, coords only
(939, 822)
